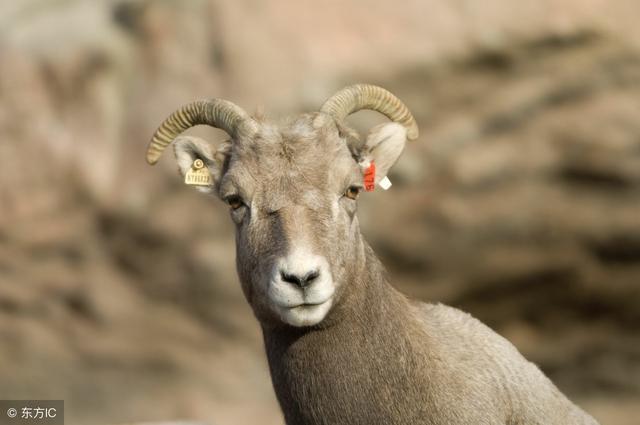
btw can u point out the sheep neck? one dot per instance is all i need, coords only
(352, 366)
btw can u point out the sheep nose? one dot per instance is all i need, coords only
(300, 280)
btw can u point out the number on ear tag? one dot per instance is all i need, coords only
(370, 177)
(198, 175)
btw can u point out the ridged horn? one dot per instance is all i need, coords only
(217, 113)
(366, 96)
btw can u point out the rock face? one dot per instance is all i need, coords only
(520, 203)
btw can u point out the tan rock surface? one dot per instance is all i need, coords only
(519, 203)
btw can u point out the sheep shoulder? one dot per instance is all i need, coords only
(491, 370)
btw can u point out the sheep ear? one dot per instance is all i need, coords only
(383, 146)
(188, 149)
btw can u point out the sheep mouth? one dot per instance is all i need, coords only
(309, 304)
(306, 313)
(303, 306)
(303, 299)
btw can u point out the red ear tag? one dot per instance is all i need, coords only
(370, 177)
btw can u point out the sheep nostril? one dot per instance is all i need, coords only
(291, 278)
(300, 281)
(311, 276)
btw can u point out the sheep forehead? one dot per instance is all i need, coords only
(303, 153)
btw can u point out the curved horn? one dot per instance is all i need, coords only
(366, 96)
(217, 113)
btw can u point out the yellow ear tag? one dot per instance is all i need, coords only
(198, 175)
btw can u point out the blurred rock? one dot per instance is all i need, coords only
(520, 202)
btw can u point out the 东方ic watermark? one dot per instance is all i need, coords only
(31, 412)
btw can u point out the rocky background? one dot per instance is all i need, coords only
(520, 202)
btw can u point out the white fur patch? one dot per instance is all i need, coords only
(335, 209)
(301, 306)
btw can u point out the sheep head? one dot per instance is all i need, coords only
(291, 188)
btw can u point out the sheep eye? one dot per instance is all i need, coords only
(352, 192)
(234, 201)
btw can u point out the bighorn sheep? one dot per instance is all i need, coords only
(345, 347)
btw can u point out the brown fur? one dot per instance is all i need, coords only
(377, 357)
